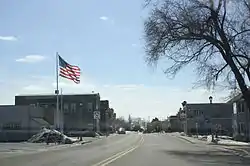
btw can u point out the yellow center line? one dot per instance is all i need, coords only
(118, 155)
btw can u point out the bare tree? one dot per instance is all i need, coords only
(211, 35)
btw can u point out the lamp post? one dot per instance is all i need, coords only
(184, 103)
(210, 99)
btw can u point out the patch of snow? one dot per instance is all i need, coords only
(47, 135)
(232, 142)
(182, 134)
(225, 137)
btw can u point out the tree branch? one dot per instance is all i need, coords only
(239, 33)
(211, 37)
(219, 71)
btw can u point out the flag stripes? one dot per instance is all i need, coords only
(68, 71)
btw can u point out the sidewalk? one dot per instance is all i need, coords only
(26, 147)
(191, 140)
(237, 150)
(240, 150)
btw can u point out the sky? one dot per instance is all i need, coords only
(105, 39)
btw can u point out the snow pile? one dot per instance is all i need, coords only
(49, 136)
(232, 142)
(182, 134)
(225, 140)
(202, 137)
(225, 137)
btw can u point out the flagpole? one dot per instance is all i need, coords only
(57, 92)
(61, 113)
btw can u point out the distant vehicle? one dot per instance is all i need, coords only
(121, 131)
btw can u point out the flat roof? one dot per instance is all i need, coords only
(17, 106)
(67, 94)
(207, 103)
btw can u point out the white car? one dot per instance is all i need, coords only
(121, 131)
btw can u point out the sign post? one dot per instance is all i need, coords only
(197, 131)
(97, 117)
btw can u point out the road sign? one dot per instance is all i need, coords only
(97, 115)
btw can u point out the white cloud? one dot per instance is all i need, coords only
(34, 88)
(129, 86)
(107, 19)
(104, 18)
(134, 99)
(8, 38)
(31, 59)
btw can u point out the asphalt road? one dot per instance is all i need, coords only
(130, 149)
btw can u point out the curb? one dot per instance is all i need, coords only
(86, 142)
(238, 152)
(185, 139)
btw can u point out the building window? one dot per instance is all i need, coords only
(33, 105)
(97, 106)
(234, 108)
(245, 107)
(66, 107)
(240, 107)
(73, 107)
(12, 126)
(242, 128)
(196, 112)
(90, 107)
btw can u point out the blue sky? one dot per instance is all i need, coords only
(105, 38)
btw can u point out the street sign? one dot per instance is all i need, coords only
(182, 115)
(97, 115)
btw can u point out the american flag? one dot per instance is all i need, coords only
(69, 71)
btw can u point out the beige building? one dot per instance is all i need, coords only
(204, 118)
(241, 118)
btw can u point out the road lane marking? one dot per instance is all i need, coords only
(117, 157)
(111, 159)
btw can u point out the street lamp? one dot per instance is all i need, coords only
(184, 103)
(210, 99)
(212, 130)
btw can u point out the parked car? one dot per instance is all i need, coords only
(121, 131)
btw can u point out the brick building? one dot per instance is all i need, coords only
(104, 108)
